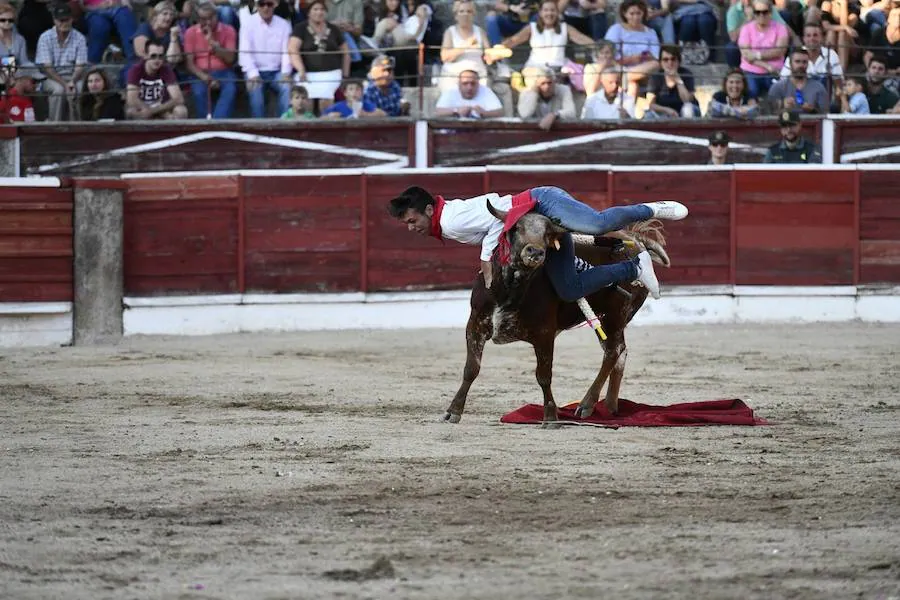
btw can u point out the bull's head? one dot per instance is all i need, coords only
(530, 238)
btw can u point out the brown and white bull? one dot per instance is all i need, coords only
(521, 305)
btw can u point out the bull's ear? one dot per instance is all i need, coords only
(497, 213)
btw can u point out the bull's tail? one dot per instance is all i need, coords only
(650, 235)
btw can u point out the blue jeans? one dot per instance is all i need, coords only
(876, 20)
(732, 55)
(560, 207)
(758, 84)
(570, 285)
(699, 27)
(227, 15)
(227, 92)
(270, 80)
(100, 25)
(664, 26)
(501, 26)
(353, 47)
(594, 25)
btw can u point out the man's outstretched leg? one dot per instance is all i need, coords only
(570, 285)
(561, 208)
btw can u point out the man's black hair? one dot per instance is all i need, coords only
(412, 197)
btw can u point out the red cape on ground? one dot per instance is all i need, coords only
(632, 414)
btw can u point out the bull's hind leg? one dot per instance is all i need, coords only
(543, 352)
(612, 349)
(478, 331)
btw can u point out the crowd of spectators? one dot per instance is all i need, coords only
(309, 59)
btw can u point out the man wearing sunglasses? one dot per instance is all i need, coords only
(153, 91)
(793, 147)
(718, 148)
(264, 58)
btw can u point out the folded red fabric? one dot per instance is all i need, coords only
(632, 414)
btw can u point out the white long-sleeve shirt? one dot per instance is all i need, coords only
(264, 46)
(469, 222)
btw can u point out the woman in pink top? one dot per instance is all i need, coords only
(763, 45)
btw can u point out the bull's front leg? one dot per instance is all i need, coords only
(478, 332)
(543, 352)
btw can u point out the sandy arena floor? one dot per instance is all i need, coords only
(314, 466)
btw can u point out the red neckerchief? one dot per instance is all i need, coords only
(436, 218)
(521, 205)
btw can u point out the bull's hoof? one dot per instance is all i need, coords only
(451, 418)
(583, 412)
(551, 425)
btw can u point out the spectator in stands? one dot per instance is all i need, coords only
(852, 96)
(671, 89)
(887, 44)
(718, 148)
(875, 15)
(739, 13)
(100, 101)
(160, 27)
(401, 26)
(824, 63)
(793, 148)
(301, 105)
(733, 100)
(587, 16)
(11, 43)
(548, 37)
(347, 16)
(320, 54)
(352, 106)
(101, 17)
(547, 101)
(799, 92)
(16, 105)
(153, 91)
(33, 17)
(881, 100)
(830, 18)
(383, 92)
(697, 25)
(264, 58)
(470, 100)
(211, 51)
(604, 57)
(509, 18)
(659, 17)
(763, 46)
(463, 46)
(637, 46)
(62, 56)
(611, 102)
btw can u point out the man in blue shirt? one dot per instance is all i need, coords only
(384, 92)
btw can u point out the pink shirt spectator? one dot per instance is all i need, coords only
(767, 39)
(195, 43)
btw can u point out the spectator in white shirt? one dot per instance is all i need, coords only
(264, 58)
(469, 99)
(824, 63)
(610, 101)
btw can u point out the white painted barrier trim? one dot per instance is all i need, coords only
(781, 291)
(421, 144)
(43, 182)
(828, 142)
(873, 153)
(35, 308)
(878, 166)
(552, 168)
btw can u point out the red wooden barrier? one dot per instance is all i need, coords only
(795, 228)
(181, 236)
(35, 244)
(333, 233)
(879, 227)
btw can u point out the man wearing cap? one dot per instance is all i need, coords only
(718, 148)
(383, 92)
(62, 56)
(15, 105)
(793, 148)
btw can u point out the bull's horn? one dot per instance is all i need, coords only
(499, 214)
(556, 244)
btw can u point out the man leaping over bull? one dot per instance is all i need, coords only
(469, 222)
